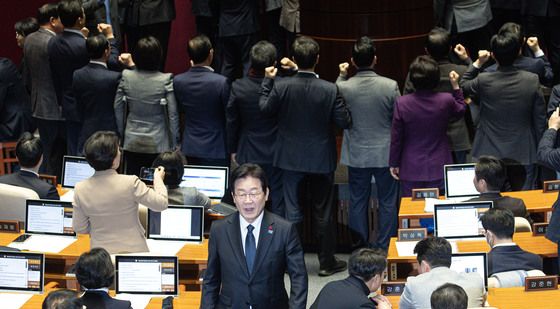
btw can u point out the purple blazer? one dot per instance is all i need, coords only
(419, 143)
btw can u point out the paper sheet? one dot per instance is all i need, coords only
(165, 247)
(68, 196)
(14, 300)
(137, 301)
(406, 248)
(430, 202)
(44, 243)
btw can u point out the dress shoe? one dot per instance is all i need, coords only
(337, 267)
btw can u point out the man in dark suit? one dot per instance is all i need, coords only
(490, 175)
(15, 108)
(307, 108)
(505, 255)
(203, 95)
(513, 138)
(250, 132)
(94, 87)
(366, 269)
(103, 12)
(245, 268)
(44, 104)
(29, 152)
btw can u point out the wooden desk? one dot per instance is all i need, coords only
(535, 200)
(535, 244)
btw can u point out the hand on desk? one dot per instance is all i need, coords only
(382, 302)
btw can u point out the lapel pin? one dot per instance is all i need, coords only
(270, 231)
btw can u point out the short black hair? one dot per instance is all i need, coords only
(366, 263)
(438, 43)
(436, 251)
(499, 221)
(45, 12)
(199, 48)
(492, 170)
(263, 55)
(71, 303)
(94, 269)
(249, 170)
(424, 73)
(69, 12)
(55, 298)
(513, 29)
(305, 51)
(148, 54)
(26, 26)
(101, 148)
(96, 46)
(449, 296)
(363, 52)
(505, 48)
(173, 162)
(29, 150)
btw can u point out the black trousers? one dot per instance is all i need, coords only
(208, 25)
(53, 137)
(235, 52)
(160, 31)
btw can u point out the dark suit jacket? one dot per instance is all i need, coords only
(227, 282)
(94, 87)
(539, 66)
(506, 258)
(250, 132)
(29, 180)
(15, 107)
(236, 17)
(203, 95)
(513, 138)
(550, 156)
(540, 7)
(516, 205)
(149, 12)
(307, 108)
(419, 144)
(553, 101)
(96, 14)
(102, 300)
(348, 293)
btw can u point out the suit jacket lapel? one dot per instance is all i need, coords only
(234, 236)
(265, 239)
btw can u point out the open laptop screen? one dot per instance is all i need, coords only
(459, 180)
(22, 271)
(147, 274)
(210, 180)
(49, 217)
(177, 222)
(460, 220)
(74, 170)
(471, 263)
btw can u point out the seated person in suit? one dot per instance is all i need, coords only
(95, 274)
(366, 269)
(434, 259)
(63, 298)
(246, 268)
(29, 152)
(489, 178)
(505, 255)
(449, 296)
(173, 162)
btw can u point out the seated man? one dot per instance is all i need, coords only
(63, 298)
(434, 259)
(449, 296)
(489, 178)
(29, 152)
(505, 255)
(366, 269)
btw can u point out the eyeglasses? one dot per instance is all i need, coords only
(252, 196)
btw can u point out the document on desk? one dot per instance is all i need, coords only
(44, 243)
(136, 301)
(430, 202)
(165, 247)
(68, 196)
(14, 300)
(406, 248)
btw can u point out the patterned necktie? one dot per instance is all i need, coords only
(250, 248)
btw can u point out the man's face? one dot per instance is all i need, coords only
(249, 197)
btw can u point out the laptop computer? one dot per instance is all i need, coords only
(456, 221)
(74, 170)
(212, 181)
(471, 263)
(22, 272)
(459, 181)
(147, 275)
(177, 222)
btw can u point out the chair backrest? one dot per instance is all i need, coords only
(12, 202)
(512, 278)
(49, 179)
(143, 216)
(7, 157)
(522, 225)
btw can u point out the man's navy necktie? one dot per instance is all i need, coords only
(250, 248)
